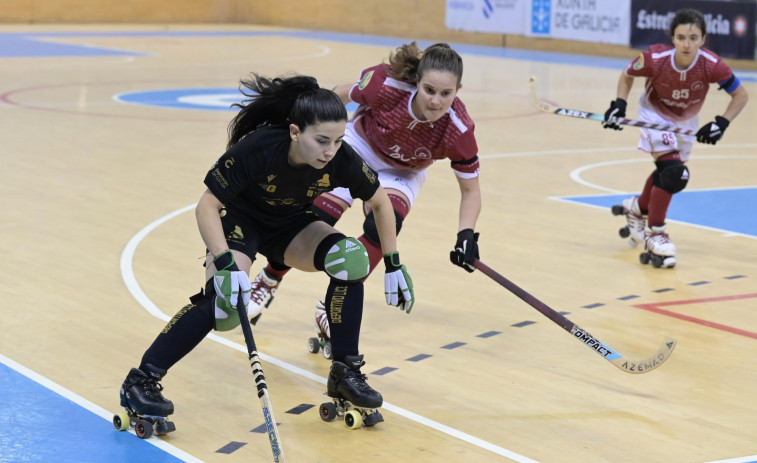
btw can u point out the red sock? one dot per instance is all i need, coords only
(375, 254)
(658, 206)
(278, 274)
(646, 194)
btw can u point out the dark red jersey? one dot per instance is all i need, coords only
(385, 119)
(677, 94)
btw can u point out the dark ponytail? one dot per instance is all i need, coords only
(281, 101)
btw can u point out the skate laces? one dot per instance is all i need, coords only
(263, 287)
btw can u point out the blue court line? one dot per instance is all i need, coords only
(41, 421)
(28, 44)
(730, 210)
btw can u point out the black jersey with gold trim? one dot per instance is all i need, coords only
(254, 177)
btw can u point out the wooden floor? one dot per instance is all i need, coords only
(99, 247)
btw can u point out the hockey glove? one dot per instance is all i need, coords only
(398, 286)
(466, 250)
(616, 111)
(230, 282)
(712, 132)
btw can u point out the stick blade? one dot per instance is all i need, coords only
(534, 98)
(650, 363)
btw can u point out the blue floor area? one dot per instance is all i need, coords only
(39, 425)
(728, 210)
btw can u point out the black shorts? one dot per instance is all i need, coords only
(251, 237)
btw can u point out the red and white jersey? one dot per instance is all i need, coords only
(385, 120)
(677, 94)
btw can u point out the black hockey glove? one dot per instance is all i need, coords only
(466, 250)
(712, 132)
(617, 110)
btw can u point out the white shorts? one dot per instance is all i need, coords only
(655, 141)
(408, 182)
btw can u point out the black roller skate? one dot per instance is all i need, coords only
(323, 341)
(636, 222)
(658, 249)
(353, 398)
(146, 408)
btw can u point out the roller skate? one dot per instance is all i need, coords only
(354, 399)
(323, 341)
(146, 408)
(658, 249)
(263, 287)
(637, 222)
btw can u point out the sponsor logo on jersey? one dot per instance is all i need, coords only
(320, 185)
(220, 178)
(364, 81)
(229, 163)
(236, 235)
(369, 173)
(324, 181)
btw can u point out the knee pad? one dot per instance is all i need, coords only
(342, 258)
(223, 320)
(371, 231)
(671, 176)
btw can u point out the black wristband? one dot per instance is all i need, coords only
(225, 261)
(392, 261)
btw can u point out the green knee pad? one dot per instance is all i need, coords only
(225, 319)
(347, 260)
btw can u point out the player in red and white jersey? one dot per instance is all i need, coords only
(409, 116)
(678, 77)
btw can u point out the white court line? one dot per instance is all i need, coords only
(127, 271)
(94, 408)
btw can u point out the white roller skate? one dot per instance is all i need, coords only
(263, 287)
(321, 326)
(658, 249)
(636, 221)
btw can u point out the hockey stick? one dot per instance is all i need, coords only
(548, 108)
(257, 373)
(611, 355)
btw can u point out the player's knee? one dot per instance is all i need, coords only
(223, 319)
(671, 176)
(342, 258)
(371, 230)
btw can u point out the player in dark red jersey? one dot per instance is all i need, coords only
(285, 148)
(409, 116)
(678, 77)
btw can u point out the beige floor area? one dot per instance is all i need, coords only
(99, 247)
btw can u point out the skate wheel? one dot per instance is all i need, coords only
(327, 351)
(353, 419)
(143, 428)
(656, 261)
(644, 258)
(624, 232)
(327, 410)
(617, 210)
(121, 421)
(313, 345)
